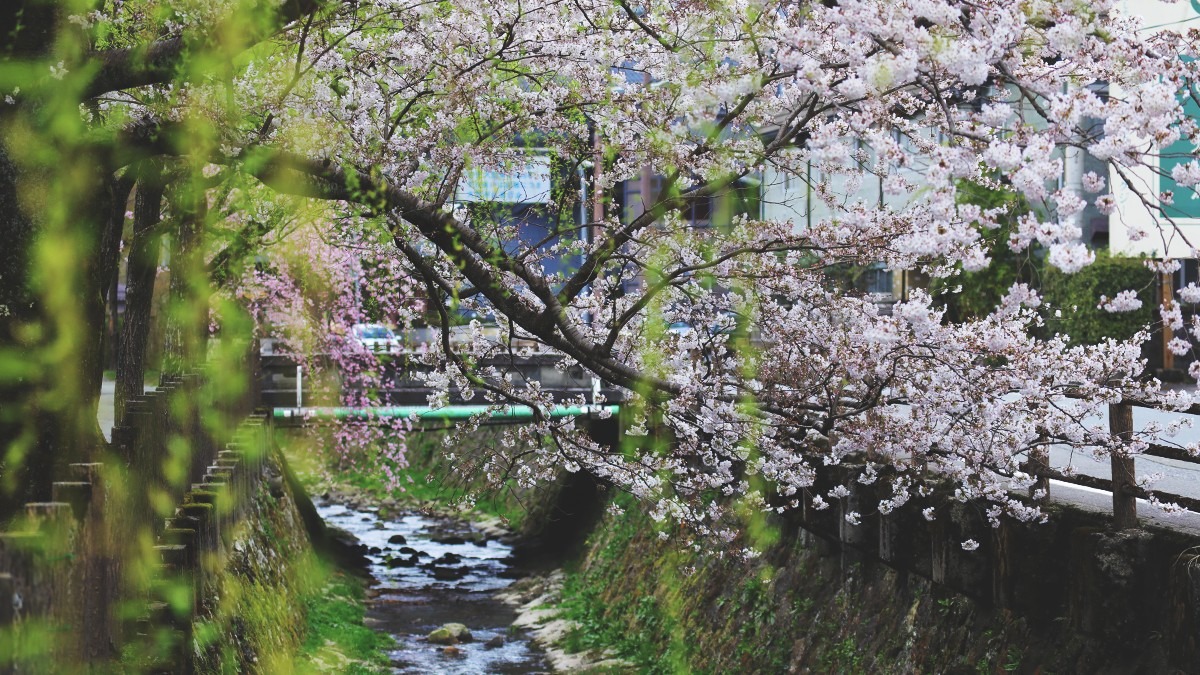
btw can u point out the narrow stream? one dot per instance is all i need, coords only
(431, 572)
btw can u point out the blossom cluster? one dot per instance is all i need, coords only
(307, 295)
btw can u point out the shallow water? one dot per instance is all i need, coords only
(411, 602)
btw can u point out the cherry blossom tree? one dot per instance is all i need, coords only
(308, 293)
(381, 107)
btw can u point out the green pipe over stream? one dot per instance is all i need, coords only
(453, 412)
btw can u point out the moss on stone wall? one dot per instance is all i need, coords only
(257, 621)
(280, 608)
(803, 605)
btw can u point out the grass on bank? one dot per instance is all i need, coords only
(336, 639)
(431, 479)
(671, 609)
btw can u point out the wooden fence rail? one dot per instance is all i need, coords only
(1122, 483)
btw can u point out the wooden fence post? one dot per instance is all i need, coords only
(8, 638)
(1167, 297)
(176, 570)
(1039, 462)
(206, 539)
(1120, 424)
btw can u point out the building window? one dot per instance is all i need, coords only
(877, 280)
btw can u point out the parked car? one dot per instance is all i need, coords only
(376, 338)
(461, 335)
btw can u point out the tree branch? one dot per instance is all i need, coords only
(160, 61)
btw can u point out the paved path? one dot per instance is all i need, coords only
(105, 414)
(1099, 501)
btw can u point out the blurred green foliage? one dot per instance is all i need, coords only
(1069, 300)
(971, 295)
(1074, 295)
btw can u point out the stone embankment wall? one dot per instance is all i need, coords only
(894, 595)
(253, 619)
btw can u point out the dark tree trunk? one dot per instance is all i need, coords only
(114, 324)
(110, 263)
(28, 25)
(99, 263)
(139, 290)
(110, 241)
(187, 311)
